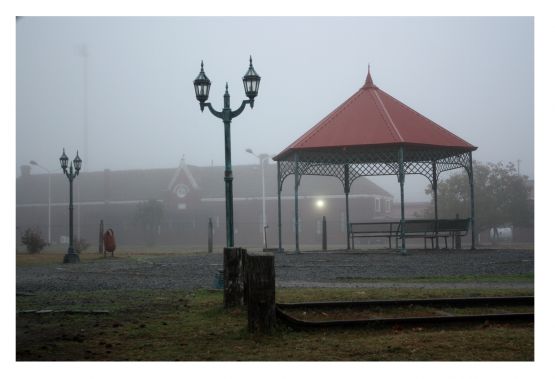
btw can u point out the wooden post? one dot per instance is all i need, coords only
(233, 293)
(210, 235)
(261, 302)
(324, 234)
(101, 237)
(458, 244)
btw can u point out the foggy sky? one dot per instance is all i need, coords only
(473, 76)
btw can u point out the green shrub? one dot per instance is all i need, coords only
(33, 240)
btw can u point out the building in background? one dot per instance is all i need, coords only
(189, 196)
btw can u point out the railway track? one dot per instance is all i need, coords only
(420, 311)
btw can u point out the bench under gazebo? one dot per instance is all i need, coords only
(374, 134)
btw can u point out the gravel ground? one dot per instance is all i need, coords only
(318, 269)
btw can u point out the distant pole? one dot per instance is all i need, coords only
(324, 234)
(457, 238)
(263, 202)
(262, 158)
(265, 237)
(84, 53)
(101, 237)
(210, 235)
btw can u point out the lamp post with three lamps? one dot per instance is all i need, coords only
(251, 81)
(71, 256)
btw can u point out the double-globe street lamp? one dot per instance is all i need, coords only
(71, 256)
(34, 163)
(262, 158)
(251, 81)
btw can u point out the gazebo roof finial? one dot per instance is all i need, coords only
(368, 83)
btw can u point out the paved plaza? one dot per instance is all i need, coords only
(310, 269)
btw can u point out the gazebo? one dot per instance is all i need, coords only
(373, 134)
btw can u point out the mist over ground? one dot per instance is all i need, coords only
(119, 89)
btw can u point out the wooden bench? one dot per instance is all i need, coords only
(383, 229)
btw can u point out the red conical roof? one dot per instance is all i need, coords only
(371, 117)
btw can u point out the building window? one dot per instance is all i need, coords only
(387, 206)
(377, 205)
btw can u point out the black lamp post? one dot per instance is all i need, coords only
(251, 81)
(71, 256)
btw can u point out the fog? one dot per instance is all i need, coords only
(120, 90)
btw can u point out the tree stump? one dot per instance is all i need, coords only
(233, 291)
(244, 276)
(261, 290)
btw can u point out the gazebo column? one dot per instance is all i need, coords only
(434, 188)
(297, 250)
(347, 189)
(402, 184)
(472, 215)
(280, 246)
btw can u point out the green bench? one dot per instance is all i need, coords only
(419, 228)
(381, 229)
(452, 228)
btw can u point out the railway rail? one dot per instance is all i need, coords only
(434, 305)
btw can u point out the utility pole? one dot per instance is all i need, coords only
(83, 52)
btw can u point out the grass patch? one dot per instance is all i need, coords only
(47, 258)
(168, 325)
(57, 257)
(444, 279)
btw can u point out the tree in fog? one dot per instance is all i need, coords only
(149, 215)
(501, 196)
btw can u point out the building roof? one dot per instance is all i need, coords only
(142, 185)
(371, 117)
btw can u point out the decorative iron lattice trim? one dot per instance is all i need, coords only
(375, 162)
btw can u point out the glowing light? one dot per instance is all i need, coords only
(320, 203)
